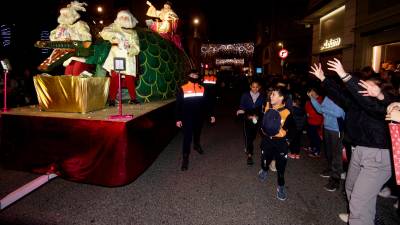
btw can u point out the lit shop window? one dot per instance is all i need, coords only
(331, 29)
(385, 57)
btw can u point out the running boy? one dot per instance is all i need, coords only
(275, 126)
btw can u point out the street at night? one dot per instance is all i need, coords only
(200, 112)
(218, 188)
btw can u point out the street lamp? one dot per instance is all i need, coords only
(99, 9)
(280, 44)
(196, 23)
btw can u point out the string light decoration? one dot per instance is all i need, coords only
(45, 36)
(242, 49)
(225, 62)
(6, 35)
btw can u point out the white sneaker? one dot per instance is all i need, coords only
(272, 166)
(386, 193)
(344, 217)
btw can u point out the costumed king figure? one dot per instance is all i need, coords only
(72, 29)
(168, 26)
(167, 16)
(191, 107)
(125, 44)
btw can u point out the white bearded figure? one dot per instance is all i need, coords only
(125, 44)
(72, 29)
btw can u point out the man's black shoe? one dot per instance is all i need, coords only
(332, 185)
(198, 149)
(185, 163)
(111, 102)
(133, 101)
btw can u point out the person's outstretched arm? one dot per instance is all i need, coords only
(333, 90)
(369, 104)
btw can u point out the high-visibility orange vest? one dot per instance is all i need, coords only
(210, 79)
(192, 90)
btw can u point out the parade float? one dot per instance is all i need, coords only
(70, 133)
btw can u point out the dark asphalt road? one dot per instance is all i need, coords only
(218, 188)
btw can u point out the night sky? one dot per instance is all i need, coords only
(221, 20)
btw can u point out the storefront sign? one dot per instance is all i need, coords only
(331, 43)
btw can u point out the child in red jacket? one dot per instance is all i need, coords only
(314, 121)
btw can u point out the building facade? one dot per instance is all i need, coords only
(377, 34)
(333, 24)
(281, 29)
(358, 32)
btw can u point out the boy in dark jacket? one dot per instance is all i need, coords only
(251, 110)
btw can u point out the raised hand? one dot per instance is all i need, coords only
(393, 106)
(371, 89)
(179, 124)
(394, 115)
(336, 65)
(317, 71)
(309, 94)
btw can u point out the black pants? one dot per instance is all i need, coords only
(250, 132)
(333, 151)
(275, 149)
(315, 139)
(296, 142)
(192, 126)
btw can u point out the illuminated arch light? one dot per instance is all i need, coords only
(225, 62)
(45, 36)
(6, 33)
(240, 49)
